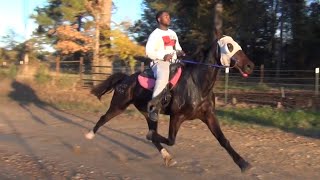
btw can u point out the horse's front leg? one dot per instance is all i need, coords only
(175, 123)
(174, 126)
(157, 139)
(213, 124)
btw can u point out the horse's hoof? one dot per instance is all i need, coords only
(245, 166)
(169, 162)
(90, 135)
(150, 134)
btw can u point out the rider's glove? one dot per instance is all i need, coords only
(167, 57)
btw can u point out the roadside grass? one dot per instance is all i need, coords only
(9, 72)
(247, 87)
(42, 75)
(298, 121)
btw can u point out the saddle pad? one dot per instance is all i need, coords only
(149, 83)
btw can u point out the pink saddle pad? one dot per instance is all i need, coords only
(148, 83)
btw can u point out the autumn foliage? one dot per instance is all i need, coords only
(121, 45)
(70, 40)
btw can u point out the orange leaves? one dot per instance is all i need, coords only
(70, 40)
(116, 43)
(68, 47)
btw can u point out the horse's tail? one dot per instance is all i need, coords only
(108, 85)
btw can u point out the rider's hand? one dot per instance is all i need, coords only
(167, 57)
(180, 54)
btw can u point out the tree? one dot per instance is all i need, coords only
(10, 40)
(84, 27)
(101, 13)
(279, 34)
(313, 36)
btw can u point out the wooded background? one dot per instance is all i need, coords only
(277, 33)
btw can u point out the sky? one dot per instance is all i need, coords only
(14, 14)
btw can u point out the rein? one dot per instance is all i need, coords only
(206, 64)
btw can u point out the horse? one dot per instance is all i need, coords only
(192, 97)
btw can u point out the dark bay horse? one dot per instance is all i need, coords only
(192, 98)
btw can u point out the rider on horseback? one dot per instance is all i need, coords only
(163, 48)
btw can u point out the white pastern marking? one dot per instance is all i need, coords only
(164, 153)
(90, 135)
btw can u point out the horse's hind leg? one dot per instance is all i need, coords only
(214, 127)
(117, 106)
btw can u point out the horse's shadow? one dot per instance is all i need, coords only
(313, 133)
(25, 96)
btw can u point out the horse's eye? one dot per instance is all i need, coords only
(230, 47)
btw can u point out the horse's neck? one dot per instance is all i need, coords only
(205, 76)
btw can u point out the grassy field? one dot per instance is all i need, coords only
(297, 121)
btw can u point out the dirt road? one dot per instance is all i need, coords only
(38, 141)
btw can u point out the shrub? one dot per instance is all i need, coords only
(42, 76)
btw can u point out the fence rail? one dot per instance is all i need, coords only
(265, 86)
(290, 88)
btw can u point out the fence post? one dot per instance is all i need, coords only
(57, 66)
(226, 86)
(81, 70)
(283, 95)
(261, 73)
(317, 82)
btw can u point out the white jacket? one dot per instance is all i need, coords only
(162, 42)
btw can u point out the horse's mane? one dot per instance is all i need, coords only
(202, 51)
(201, 54)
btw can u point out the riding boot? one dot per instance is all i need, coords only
(155, 105)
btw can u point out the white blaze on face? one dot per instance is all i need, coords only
(228, 47)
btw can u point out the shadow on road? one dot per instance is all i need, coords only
(25, 96)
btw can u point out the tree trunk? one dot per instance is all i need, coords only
(280, 59)
(105, 23)
(95, 61)
(106, 8)
(101, 10)
(275, 20)
(217, 19)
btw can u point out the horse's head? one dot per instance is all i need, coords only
(231, 55)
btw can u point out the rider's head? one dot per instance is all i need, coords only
(163, 18)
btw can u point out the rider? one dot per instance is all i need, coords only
(162, 47)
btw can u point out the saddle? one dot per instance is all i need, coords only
(147, 80)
